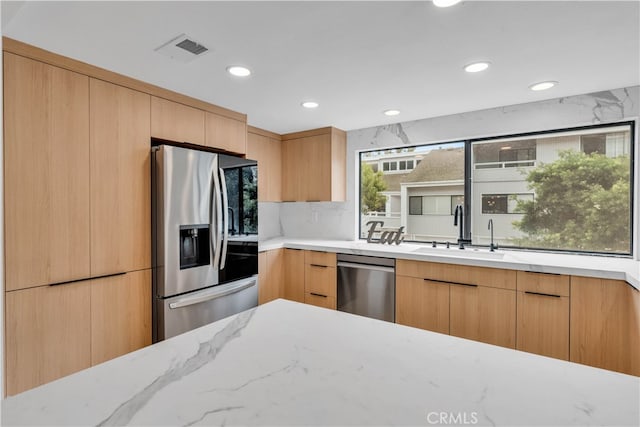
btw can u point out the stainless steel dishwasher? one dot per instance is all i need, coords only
(367, 286)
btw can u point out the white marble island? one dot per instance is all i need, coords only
(286, 363)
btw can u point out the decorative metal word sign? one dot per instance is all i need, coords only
(387, 236)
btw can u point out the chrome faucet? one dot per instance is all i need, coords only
(492, 247)
(459, 212)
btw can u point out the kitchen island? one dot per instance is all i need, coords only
(285, 363)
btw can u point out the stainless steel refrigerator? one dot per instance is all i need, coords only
(205, 238)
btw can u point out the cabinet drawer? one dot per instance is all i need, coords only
(320, 300)
(320, 280)
(552, 284)
(327, 259)
(543, 325)
(453, 273)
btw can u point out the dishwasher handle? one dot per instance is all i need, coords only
(366, 267)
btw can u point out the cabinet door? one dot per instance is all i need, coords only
(422, 304)
(120, 179)
(293, 165)
(294, 274)
(226, 134)
(271, 280)
(120, 315)
(176, 122)
(46, 162)
(47, 334)
(316, 168)
(483, 314)
(267, 152)
(605, 324)
(543, 324)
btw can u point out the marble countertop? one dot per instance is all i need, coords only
(580, 265)
(286, 363)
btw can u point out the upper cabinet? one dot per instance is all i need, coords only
(120, 179)
(314, 165)
(266, 148)
(46, 139)
(177, 122)
(225, 133)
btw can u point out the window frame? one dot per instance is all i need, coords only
(468, 191)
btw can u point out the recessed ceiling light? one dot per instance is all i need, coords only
(391, 112)
(309, 104)
(239, 71)
(476, 67)
(445, 3)
(543, 85)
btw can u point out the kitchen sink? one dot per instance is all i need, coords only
(463, 253)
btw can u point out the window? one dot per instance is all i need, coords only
(564, 190)
(503, 203)
(436, 205)
(415, 205)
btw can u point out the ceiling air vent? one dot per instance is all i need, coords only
(182, 48)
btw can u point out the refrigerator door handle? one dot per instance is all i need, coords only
(225, 210)
(217, 223)
(214, 293)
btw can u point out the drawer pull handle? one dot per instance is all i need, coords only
(466, 284)
(317, 295)
(541, 294)
(104, 276)
(318, 265)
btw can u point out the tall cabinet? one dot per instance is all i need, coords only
(46, 129)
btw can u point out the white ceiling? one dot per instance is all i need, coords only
(355, 58)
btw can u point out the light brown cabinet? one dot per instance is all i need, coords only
(320, 279)
(422, 303)
(293, 263)
(605, 324)
(271, 275)
(315, 165)
(46, 181)
(477, 303)
(120, 179)
(48, 334)
(120, 315)
(225, 134)
(177, 122)
(266, 149)
(543, 314)
(483, 314)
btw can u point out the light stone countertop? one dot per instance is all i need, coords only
(604, 267)
(286, 363)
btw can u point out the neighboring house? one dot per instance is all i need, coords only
(425, 185)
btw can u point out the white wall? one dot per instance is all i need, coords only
(339, 220)
(1, 230)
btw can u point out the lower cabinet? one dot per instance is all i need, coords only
(483, 314)
(120, 315)
(270, 276)
(48, 334)
(54, 331)
(543, 314)
(605, 324)
(422, 304)
(293, 270)
(320, 279)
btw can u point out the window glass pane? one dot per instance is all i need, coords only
(415, 205)
(567, 190)
(414, 188)
(436, 205)
(455, 201)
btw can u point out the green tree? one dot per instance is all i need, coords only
(372, 183)
(581, 202)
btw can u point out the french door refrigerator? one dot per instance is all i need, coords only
(205, 238)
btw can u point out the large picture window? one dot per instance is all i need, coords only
(566, 190)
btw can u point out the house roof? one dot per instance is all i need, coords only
(445, 164)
